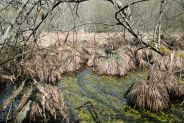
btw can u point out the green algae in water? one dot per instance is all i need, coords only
(107, 94)
(1, 107)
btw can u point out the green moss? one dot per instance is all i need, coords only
(165, 50)
(181, 81)
(1, 107)
(85, 116)
(179, 54)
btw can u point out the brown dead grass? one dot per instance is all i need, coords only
(146, 95)
(156, 92)
(168, 80)
(43, 103)
(171, 62)
(119, 64)
(44, 65)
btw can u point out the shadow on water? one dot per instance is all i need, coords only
(6, 89)
(98, 91)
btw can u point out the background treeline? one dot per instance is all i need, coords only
(144, 15)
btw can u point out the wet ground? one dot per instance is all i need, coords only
(104, 99)
(106, 94)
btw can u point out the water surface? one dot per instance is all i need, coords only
(107, 95)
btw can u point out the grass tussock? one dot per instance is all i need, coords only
(173, 42)
(156, 92)
(118, 64)
(43, 103)
(146, 95)
(177, 93)
(171, 62)
(44, 65)
(39, 102)
(168, 80)
(146, 57)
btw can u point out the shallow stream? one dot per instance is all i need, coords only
(105, 94)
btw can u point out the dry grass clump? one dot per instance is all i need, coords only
(146, 95)
(168, 80)
(115, 42)
(119, 64)
(39, 102)
(43, 103)
(171, 62)
(8, 52)
(176, 44)
(146, 56)
(155, 74)
(168, 40)
(156, 92)
(44, 65)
